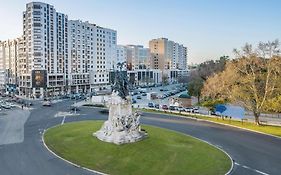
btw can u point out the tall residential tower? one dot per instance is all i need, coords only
(45, 54)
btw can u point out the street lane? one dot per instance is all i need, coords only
(259, 153)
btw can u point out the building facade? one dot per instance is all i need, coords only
(121, 55)
(57, 56)
(166, 54)
(9, 63)
(45, 52)
(138, 57)
(92, 55)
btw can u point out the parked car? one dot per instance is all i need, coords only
(165, 107)
(156, 106)
(172, 108)
(138, 97)
(5, 106)
(195, 110)
(134, 101)
(180, 108)
(144, 94)
(151, 105)
(189, 109)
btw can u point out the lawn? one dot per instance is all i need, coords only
(267, 129)
(163, 152)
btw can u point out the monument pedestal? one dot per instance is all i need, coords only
(122, 125)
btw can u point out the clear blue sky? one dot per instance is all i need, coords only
(209, 28)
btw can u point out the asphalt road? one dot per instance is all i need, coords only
(253, 153)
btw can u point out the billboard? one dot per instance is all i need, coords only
(230, 111)
(39, 78)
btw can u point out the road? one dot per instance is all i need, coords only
(253, 153)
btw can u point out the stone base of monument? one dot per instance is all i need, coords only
(122, 125)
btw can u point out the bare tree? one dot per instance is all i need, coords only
(252, 80)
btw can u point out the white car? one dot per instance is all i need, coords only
(188, 109)
(47, 103)
(180, 108)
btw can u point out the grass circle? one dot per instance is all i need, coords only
(163, 152)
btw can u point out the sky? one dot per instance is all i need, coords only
(209, 28)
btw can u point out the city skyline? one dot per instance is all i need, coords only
(209, 30)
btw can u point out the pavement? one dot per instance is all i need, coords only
(12, 126)
(253, 153)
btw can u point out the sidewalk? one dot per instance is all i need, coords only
(12, 126)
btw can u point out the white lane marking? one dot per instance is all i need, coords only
(62, 122)
(252, 169)
(237, 163)
(261, 172)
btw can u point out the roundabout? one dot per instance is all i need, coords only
(162, 152)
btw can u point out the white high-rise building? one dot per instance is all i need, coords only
(92, 55)
(138, 57)
(121, 55)
(45, 52)
(9, 62)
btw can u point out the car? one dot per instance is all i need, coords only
(188, 109)
(138, 97)
(47, 103)
(144, 94)
(161, 89)
(134, 101)
(172, 108)
(213, 112)
(165, 107)
(5, 106)
(156, 106)
(150, 104)
(180, 108)
(195, 110)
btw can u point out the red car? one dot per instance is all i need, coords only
(165, 107)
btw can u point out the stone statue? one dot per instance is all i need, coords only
(121, 81)
(123, 125)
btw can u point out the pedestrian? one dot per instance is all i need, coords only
(22, 106)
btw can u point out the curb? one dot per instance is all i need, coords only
(228, 155)
(182, 116)
(75, 165)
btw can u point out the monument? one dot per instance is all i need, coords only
(123, 124)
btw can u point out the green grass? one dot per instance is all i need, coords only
(267, 129)
(163, 152)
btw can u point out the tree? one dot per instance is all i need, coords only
(208, 68)
(198, 76)
(194, 88)
(252, 80)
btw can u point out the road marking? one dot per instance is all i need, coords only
(252, 169)
(62, 122)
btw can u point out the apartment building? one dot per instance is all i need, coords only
(92, 55)
(9, 63)
(167, 54)
(45, 51)
(121, 55)
(138, 57)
